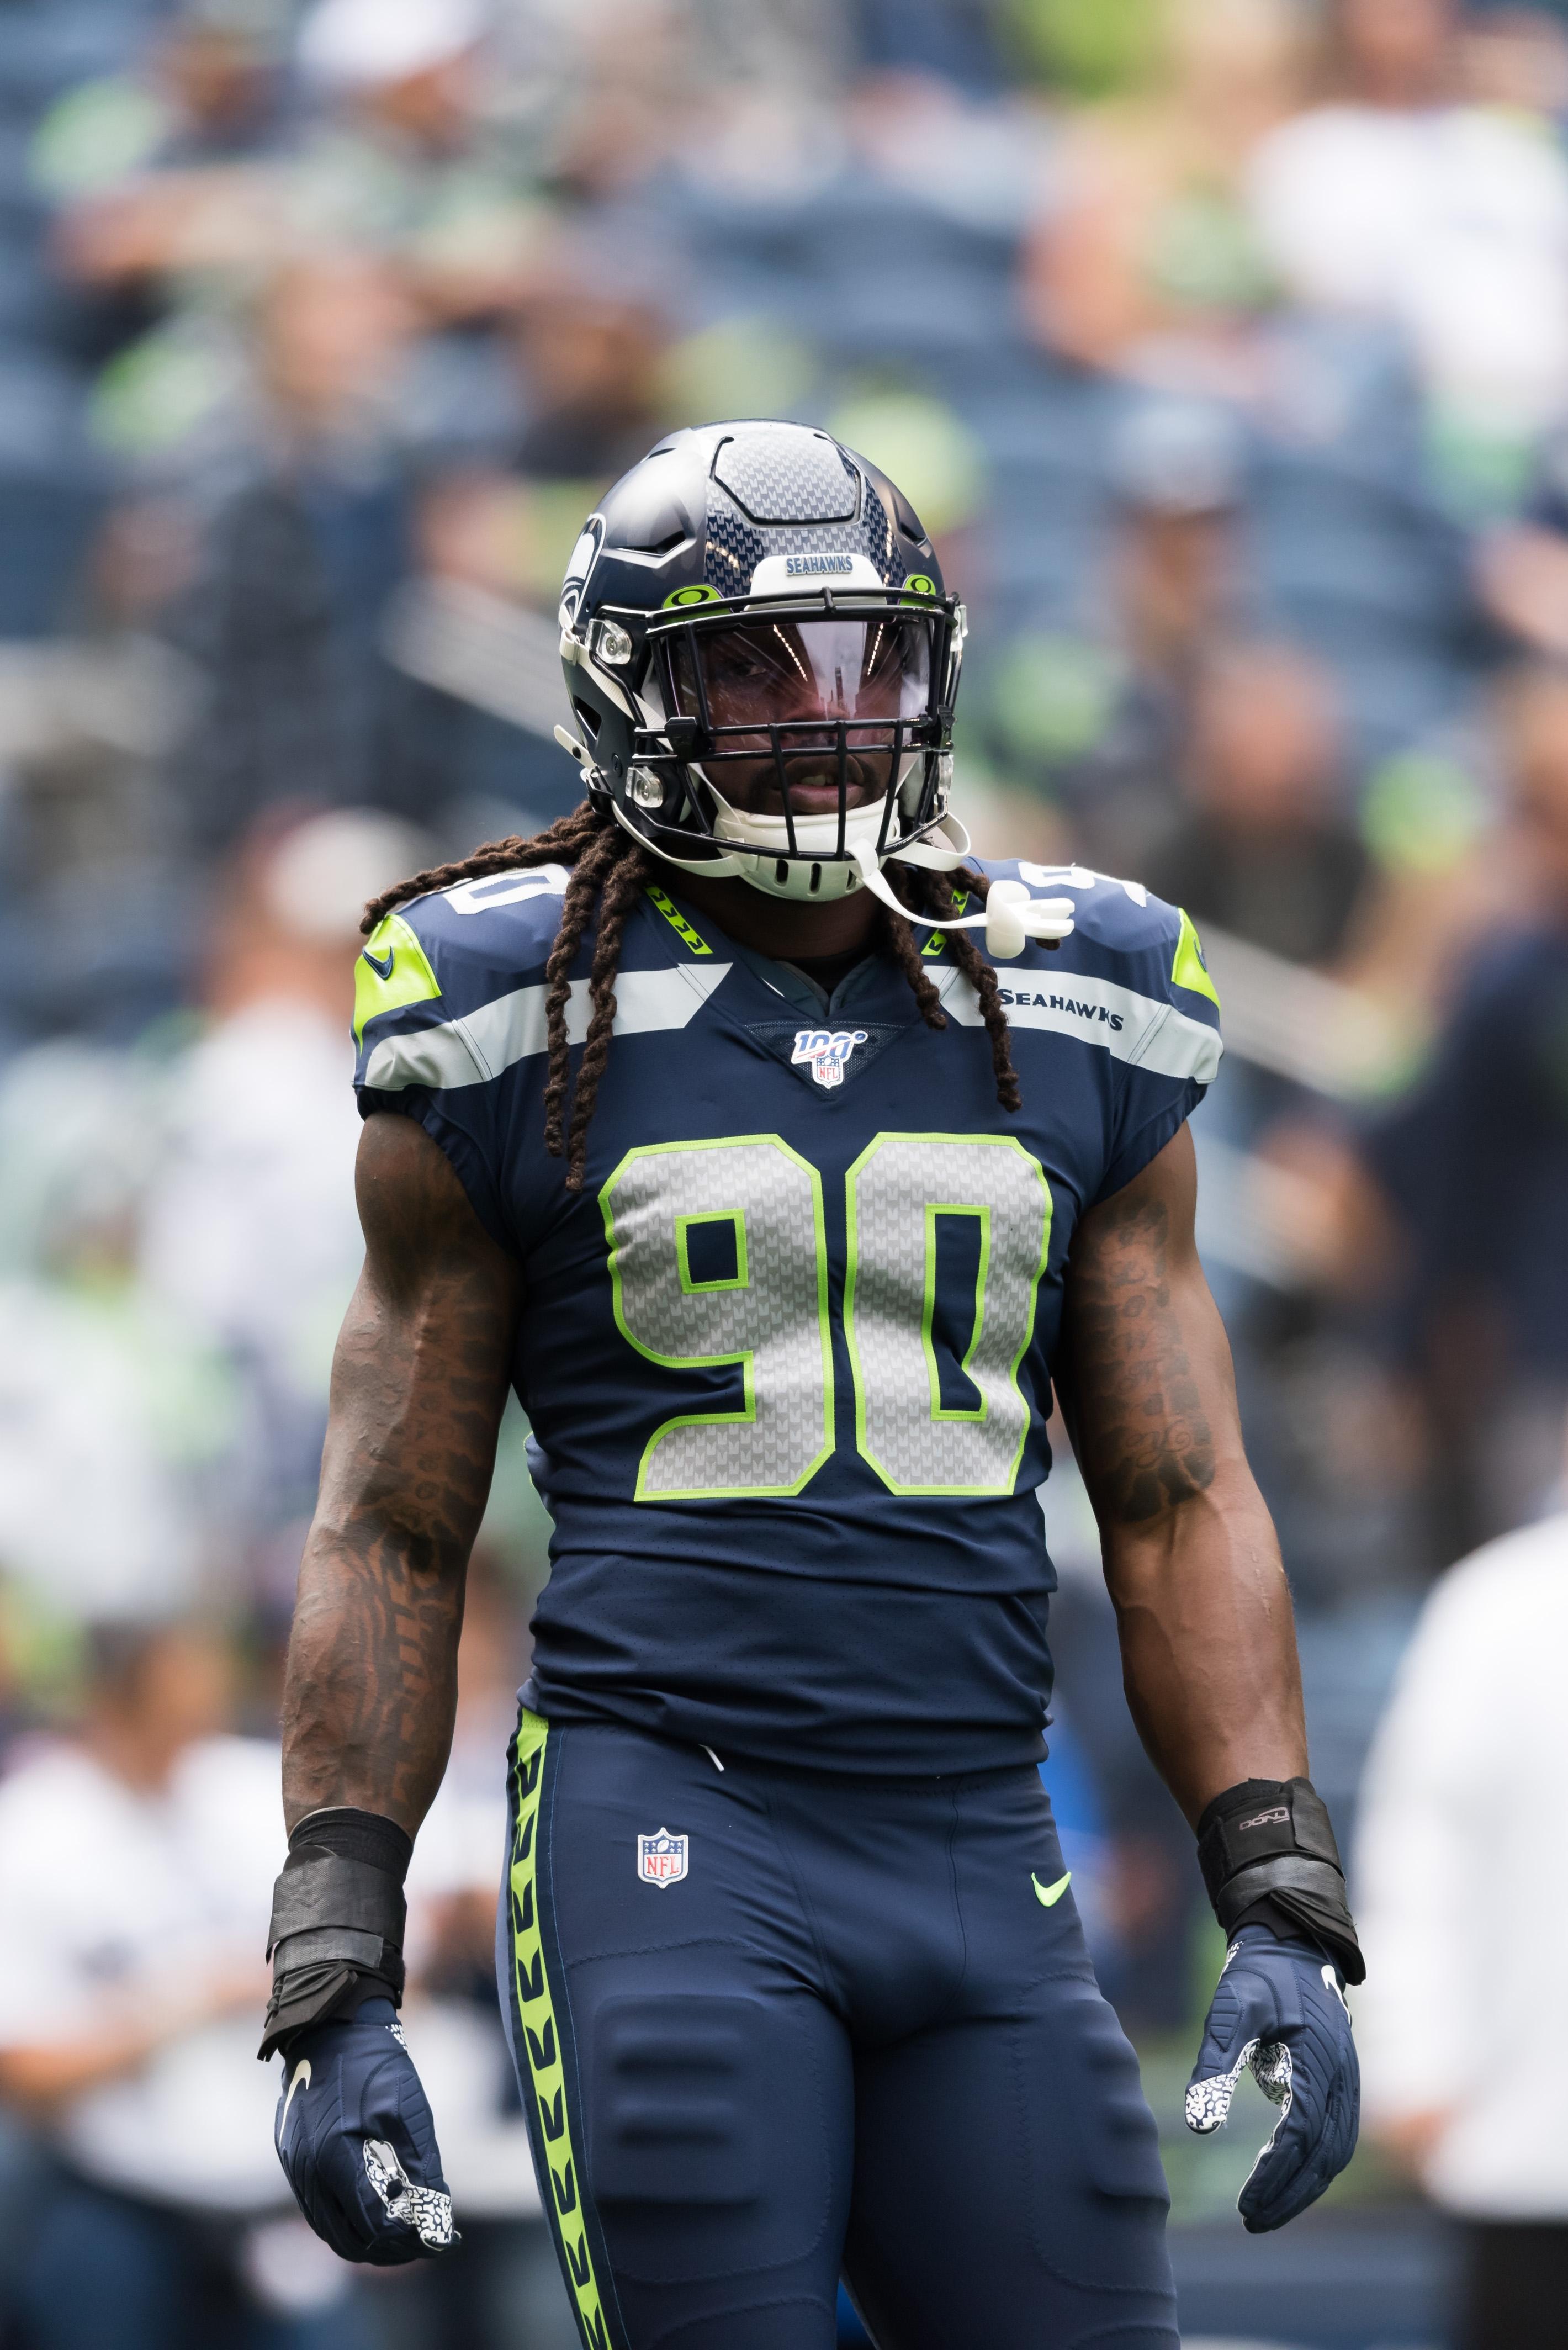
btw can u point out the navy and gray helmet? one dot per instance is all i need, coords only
(762, 660)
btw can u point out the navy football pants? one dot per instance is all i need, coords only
(849, 2039)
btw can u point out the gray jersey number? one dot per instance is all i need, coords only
(897, 1191)
(767, 1308)
(769, 1313)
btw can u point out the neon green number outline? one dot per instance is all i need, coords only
(736, 1219)
(746, 1416)
(935, 1208)
(851, 1278)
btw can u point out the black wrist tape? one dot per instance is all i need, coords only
(1268, 1841)
(337, 1917)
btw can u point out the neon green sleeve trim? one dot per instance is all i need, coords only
(393, 971)
(1188, 967)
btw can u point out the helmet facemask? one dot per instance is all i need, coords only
(796, 741)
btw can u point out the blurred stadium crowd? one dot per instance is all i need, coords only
(1224, 344)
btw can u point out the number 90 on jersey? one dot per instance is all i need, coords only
(719, 1255)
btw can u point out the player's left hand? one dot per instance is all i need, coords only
(355, 2136)
(1280, 2007)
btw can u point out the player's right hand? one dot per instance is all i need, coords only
(356, 2143)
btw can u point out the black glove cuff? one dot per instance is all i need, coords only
(337, 1919)
(1271, 1840)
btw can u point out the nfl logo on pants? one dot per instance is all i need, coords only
(661, 1858)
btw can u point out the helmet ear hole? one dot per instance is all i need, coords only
(587, 718)
(909, 521)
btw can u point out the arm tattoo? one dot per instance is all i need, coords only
(1143, 1436)
(419, 1385)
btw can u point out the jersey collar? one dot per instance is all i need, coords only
(689, 938)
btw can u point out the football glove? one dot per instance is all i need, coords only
(1279, 2008)
(356, 2143)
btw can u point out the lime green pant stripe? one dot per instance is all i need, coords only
(541, 2036)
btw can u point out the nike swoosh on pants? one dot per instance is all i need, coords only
(1049, 1894)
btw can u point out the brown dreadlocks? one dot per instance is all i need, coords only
(609, 870)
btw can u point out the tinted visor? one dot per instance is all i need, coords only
(827, 681)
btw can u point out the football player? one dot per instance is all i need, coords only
(782, 1156)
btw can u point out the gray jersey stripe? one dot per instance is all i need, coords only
(481, 1044)
(1150, 1035)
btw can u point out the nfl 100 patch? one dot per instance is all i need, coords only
(825, 1050)
(661, 1858)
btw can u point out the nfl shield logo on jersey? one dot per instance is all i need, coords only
(661, 1858)
(826, 1050)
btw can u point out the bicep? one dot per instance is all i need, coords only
(419, 1385)
(420, 1373)
(1144, 1369)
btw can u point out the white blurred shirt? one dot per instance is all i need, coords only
(1452, 221)
(105, 1894)
(251, 1233)
(1461, 1882)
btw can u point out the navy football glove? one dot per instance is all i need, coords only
(357, 2142)
(1279, 2008)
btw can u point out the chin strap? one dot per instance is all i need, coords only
(1010, 916)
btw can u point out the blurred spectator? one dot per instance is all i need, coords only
(136, 1861)
(1261, 849)
(129, 158)
(1146, 236)
(1395, 197)
(1461, 1866)
(1475, 1162)
(111, 1412)
(590, 354)
(398, 156)
(250, 1233)
(304, 546)
(416, 152)
(1172, 586)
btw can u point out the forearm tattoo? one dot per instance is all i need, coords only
(1143, 1437)
(419, 1386)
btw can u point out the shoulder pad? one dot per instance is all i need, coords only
(464, 945)
(1129, 920)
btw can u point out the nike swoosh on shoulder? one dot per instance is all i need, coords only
(1049, 1894)
(381, 969)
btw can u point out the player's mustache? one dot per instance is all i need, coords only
(867, 772)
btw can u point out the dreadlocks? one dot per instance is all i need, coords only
(610, 870)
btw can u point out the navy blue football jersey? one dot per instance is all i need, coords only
(786, 1356)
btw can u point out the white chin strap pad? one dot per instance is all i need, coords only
(1010, 917)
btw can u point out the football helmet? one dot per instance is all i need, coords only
(762, 661)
